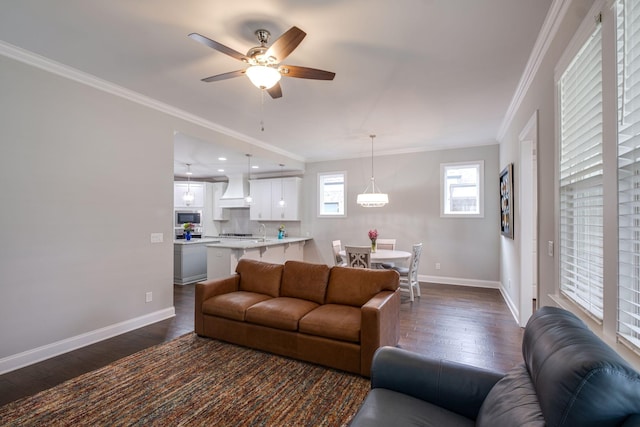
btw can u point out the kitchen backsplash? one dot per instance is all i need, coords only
(240, 222)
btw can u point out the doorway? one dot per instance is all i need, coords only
(528, 219)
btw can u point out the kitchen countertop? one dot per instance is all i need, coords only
(250, 242)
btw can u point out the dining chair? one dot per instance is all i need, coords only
(358, 256)
(386, 244)
(409, 275)
(337, 259)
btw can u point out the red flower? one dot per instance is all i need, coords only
(373, 234)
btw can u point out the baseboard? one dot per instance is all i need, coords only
(459, 281)
(513, 307)
(29, 357)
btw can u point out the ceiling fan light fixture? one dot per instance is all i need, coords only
(263, 77)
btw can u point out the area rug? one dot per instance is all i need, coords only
(194, 381)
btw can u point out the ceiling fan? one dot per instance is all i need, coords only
(265, 68)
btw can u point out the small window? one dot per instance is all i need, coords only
(462, 189)
(331, 194)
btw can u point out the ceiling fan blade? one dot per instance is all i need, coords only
(305, 72)
(286, 43)
(275, 91)
(224, 76)
(219, 47)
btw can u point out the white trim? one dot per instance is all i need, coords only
(44, 352)
(62, 70)
(549, 29)
(513, 307)
(476, 283)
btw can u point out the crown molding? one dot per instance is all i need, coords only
(41, 62)
(547, 33)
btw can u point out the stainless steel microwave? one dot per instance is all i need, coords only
(184, 216)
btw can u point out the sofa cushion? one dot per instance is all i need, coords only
(341, 322)
(356, 286)
(232, 305)
(385, 408)
(305, 280)
(280, 313)
(511, 402)
(579, 380)
(259, 277)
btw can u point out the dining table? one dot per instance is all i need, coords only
(381, 256)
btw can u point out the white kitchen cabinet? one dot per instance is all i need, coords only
(267, 193)
(180, 187)
(260, 209)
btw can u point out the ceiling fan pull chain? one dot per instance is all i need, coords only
(262, 110)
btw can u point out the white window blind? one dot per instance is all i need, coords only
(628, 58)
(581, 202)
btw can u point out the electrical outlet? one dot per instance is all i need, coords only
(509, 284)
(437, 266)
(157, 238)
(149, 297)
(550, 247)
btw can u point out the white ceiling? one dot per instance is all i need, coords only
(421, 74)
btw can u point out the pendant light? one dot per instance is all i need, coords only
(373, 199)
(281, 203)
(188, 196)
(249, 199)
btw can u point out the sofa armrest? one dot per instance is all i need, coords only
(380, 326)
(454, 386)
(208, 289)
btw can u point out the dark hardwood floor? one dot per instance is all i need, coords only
(469, 325)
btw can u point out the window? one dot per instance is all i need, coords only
(462, 189)
(332, 194)
(581, 177)
(628, 59)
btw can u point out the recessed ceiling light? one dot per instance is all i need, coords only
(220, 170)
(255, 167)
(222, 159)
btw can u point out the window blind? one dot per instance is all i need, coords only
(581, 168)
(628, 59)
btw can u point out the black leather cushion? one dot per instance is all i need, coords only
(511, 402)
(579, 380)
(386, 408)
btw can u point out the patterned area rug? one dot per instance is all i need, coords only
(196, 381)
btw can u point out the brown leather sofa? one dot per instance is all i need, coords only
(334, 316)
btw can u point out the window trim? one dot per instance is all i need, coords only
(319, 187)
(479, 164)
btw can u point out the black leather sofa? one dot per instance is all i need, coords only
(569, 378)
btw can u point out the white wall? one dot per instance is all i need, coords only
(540, 97)
(85, 178)
(467, 249)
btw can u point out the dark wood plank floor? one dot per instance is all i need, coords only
(469, 325)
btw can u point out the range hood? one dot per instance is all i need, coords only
(237, 190)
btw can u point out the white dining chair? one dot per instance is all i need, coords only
(409, 275)
(389, 244)
(336, 246)
(358, 256)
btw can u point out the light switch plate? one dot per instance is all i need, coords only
(157, 237)
(550, 247)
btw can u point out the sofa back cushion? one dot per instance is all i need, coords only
(305, 280)
(259, 277)
(356, 286)
(511, 402)
(579, 380)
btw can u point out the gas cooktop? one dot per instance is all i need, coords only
(236, 235)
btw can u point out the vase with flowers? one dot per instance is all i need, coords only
(373, 236)
(188, 229)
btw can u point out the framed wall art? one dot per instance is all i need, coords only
(506, 201)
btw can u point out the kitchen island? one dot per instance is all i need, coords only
(190, 260)
(223, 256)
